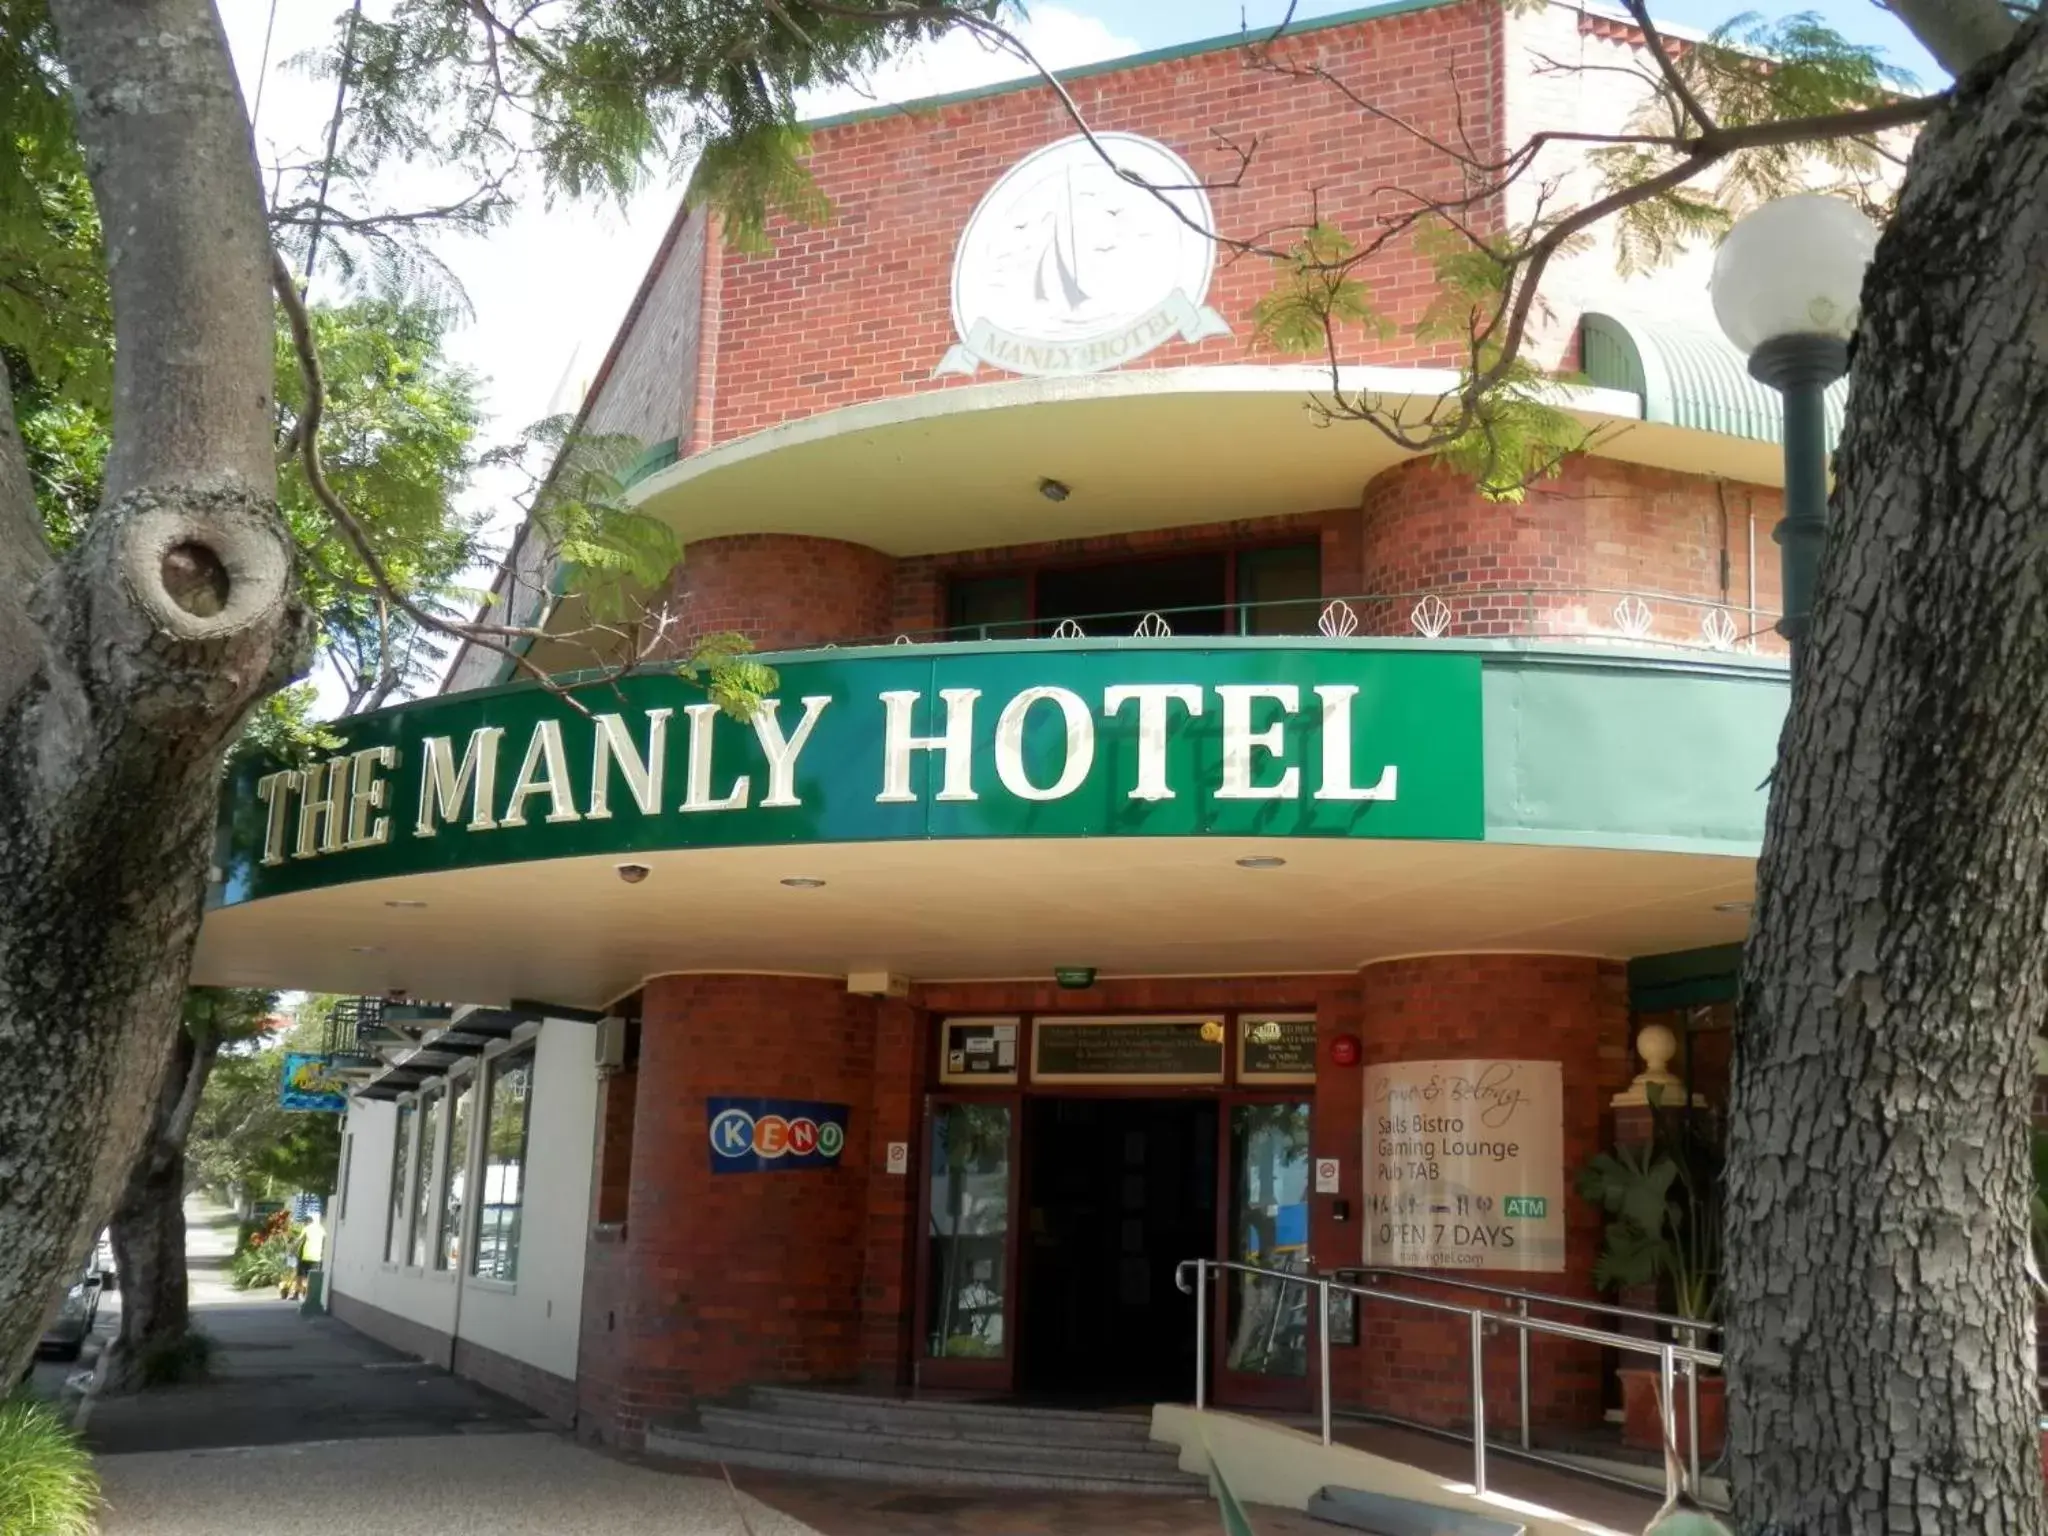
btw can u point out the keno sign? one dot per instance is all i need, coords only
(773, 1135)
(1074, 264)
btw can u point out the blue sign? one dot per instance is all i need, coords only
(772, 1135)
(309, 1083)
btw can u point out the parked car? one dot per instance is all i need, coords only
(77, 1309)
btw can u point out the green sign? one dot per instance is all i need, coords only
(938, 742)
(1532, 1207)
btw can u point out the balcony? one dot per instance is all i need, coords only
(1593, 616)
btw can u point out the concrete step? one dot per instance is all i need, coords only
(984, 1421)
(876, 1466)
(824, 1437)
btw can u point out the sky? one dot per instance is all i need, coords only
(549, 289)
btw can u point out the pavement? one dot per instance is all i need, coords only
(306, 1427)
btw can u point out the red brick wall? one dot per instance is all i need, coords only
(782, 591)
(729, 1279)
(888, 1292)
(1599, 530)
(1450, 1007)
(614, 1178)
(860, 307)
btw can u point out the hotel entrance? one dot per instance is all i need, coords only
(1055, 1212)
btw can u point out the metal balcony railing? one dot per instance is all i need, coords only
(1614, 616)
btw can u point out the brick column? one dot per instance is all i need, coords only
(1562, 561)
(782, 591)
(889, 1268)
(729, 1279)
(1452, 1007)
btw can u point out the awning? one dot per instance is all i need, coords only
(1688, 376)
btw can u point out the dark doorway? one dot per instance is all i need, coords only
(1188, 591)
(1117, 1192)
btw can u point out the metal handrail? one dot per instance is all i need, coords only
(1691, 1325)
(1669, 1355)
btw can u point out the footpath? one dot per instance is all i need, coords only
(306, 1427)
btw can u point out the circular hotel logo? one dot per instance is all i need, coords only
(1068, 266)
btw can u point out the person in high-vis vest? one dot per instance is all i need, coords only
(312, 1249)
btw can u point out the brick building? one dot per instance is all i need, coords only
(1180, 829)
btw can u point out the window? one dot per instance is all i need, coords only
(401, 1152)
(1280, 590)
(989, 608)
(348, 1157)
(423, 1177)
(508, 1105)
(455, 1176)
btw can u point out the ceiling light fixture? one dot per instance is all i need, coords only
(366, 949)
(1261, 861)
(1054, 490)
(406, 906)
(803, 882)
(1734, 906)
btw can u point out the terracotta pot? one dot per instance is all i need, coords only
(1640, 1425)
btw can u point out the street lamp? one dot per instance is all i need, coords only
(1787, 285)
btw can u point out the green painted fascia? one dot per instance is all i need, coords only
(1688, 978)
(1128, 61)
(1605, 752)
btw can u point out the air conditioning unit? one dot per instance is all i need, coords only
(611, 1045)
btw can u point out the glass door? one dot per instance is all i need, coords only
(1263, 1347)
(966, 1283)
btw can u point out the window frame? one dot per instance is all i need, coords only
(397, 1206)
(428, 1095)
(524, 1050)
(459, 1081)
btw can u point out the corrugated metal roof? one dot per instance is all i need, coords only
(1688, 376)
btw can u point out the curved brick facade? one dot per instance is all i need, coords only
(782, 591)
(1565, 560)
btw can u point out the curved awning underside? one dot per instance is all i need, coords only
(1690, 377)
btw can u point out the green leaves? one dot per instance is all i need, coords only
(729, 675)
(598, 95)
(1315, 294)
(1750, 72)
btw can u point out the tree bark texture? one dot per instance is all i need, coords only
(149, 1221)
(1880, 1324)
(146, 645)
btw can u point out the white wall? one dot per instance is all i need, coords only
(1565, 71)
(537, 1316)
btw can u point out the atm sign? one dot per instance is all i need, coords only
(771, 1135)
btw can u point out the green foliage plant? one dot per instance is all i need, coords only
(1663, 1208)
(47, 1483)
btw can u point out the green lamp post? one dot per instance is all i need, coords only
(1787, 286)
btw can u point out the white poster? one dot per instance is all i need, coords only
(1464, 1165)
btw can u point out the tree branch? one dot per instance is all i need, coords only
(1667, 66)
(1959, 33)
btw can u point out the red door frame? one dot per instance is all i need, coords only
(995, 1377)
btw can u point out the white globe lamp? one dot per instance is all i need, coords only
(1787, 289)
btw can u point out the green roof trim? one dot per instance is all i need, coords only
(1688, 376)
(1687, 978)
(1128, 61)
(657, 457)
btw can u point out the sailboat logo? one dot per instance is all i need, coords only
(1083, 256)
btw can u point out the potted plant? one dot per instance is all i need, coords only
(1663, 1205)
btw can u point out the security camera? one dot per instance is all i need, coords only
(633, 874)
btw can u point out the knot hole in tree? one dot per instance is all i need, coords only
(196, 579)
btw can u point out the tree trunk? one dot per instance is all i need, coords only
(149, 1223)
(1880, 1326)
(127, 668)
